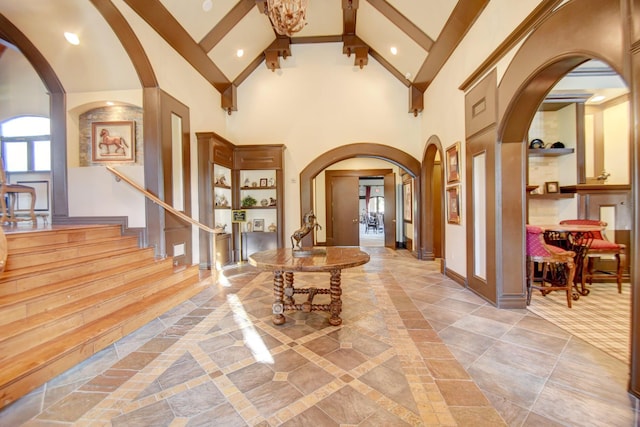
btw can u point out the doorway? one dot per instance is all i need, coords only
(371, 196)
(347, 215)
(311, 198)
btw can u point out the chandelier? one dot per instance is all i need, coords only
(287, 16)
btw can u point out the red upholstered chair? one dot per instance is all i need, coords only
(558, 266)
(601, 246)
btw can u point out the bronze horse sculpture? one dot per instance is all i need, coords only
(308, 224)
(107, 141)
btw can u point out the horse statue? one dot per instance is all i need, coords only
(308, 224)
(107, 141)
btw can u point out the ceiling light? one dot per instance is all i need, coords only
(207, 5)
(239, 53)
(597, 98)
(287, 16)
(110, 103)
(394, 50)
(72, 38)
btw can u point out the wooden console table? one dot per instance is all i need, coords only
(283, 263)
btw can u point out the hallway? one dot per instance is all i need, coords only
(414, 349)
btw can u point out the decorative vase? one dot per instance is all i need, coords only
(272, 228)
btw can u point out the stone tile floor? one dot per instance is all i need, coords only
(414, 349)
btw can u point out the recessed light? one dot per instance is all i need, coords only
(597, 98)
(407, 75)
(72, 38)
(110, 103)
(394, 50)
(207, 5)
(239, 53)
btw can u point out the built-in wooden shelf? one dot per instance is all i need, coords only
(549, 152)
(551, 196)
(594, 188)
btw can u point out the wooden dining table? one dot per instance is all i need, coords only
(284, 262)
(576, 238)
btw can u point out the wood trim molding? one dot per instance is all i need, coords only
(129, 40)
(544, 9)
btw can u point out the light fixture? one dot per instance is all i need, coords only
(207, 5)
(72, 38)
(287, 16)
(394, 50)
(240, 53)
(597, 98)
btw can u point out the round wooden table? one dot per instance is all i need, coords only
(284, 262)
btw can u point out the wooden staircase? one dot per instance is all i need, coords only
(66, 294)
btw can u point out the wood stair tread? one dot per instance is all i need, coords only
(20, 366)
(61, 246)
(69, 284)
(133, 291)
(29, 271)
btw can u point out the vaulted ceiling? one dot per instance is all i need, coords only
(209, 33)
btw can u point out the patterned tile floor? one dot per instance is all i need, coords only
(414, 349)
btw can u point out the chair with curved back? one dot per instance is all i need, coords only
(557, 265)
(601, 246)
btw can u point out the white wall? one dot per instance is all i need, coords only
(318, 101)
(21, 90)
(443, 114)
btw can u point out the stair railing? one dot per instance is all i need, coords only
(171, 209)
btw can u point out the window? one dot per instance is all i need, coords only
(26, 144)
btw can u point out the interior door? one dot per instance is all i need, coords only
(390, 210)
(344, 200)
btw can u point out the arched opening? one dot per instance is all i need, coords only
(538, 66)
(433, 216)
(371, 150)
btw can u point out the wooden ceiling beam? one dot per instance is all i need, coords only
(461, 19)
(166, 25)
(226, 24)
(281, 47)
(349, 12)
(404, 24)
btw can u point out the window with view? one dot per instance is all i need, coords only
(26, 144)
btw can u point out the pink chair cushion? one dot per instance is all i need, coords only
(604, 244)
(556, 249)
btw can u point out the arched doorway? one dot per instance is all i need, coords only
(538, 65)
(379, 151)
(433, 224)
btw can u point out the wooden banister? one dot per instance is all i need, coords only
(169, 208)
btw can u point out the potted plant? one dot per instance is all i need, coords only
(248, 202)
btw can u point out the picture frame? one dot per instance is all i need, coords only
(258, 225)
(263, 182)
(453, 163)
(551, 187)
(113, 142)
(453, 205)
(407, 199)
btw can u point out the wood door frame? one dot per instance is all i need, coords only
(330, 174)
(349, 151)
(433, 245)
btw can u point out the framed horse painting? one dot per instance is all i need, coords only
(113, 142)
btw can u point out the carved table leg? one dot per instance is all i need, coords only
(336, 302)
(288, 288)
(278, 303)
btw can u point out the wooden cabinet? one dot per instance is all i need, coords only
(227, 175)
(258, 172)
(215, 195)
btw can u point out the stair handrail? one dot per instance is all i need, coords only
(120, 176)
